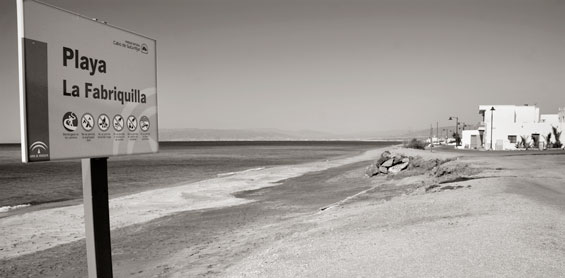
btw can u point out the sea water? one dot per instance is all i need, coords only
(23, 185)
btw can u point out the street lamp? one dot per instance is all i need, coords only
(444, 130)
(491, 124)
(456, 129)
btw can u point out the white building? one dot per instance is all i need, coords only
(503, 127)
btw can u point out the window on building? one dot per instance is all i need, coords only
(512, 138)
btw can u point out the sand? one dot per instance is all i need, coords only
(505, 222)
(38, 230)
(508, 223)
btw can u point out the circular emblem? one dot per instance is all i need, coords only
(87, 122)
(144, 48)
(70, 121)
(144, 123)
(103, 122)
(118, 122)
(132, 123)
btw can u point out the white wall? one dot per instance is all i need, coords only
(515, 120)
(550, 118)
(466, 138)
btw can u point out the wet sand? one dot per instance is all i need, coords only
(506, 222)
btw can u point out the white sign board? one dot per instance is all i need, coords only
(87, 89)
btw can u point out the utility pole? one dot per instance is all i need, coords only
(431, 137)
(456, 129)
(491, 125)
(444, 131)
(437, 131)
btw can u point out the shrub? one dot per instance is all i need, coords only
(556, 136)
(548, 140)
(415, 144)
(457, 138)
(523, 143)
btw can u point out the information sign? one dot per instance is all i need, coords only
(87, 89)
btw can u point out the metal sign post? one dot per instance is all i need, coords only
(97, 217)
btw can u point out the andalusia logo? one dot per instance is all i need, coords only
(38, 150)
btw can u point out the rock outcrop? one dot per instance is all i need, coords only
(397, 168)
(388, 164)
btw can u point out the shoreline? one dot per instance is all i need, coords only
(498, 221)
(145, 206)
(175, 164)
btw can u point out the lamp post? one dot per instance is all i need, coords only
(444, 130)
(491, 125)
(437, 132)
(456, 129)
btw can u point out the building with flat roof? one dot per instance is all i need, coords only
(509, 127)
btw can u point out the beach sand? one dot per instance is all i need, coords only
(505, 222)
(43, 229)
(508, 222)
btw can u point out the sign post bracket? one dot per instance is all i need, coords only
(97, 217)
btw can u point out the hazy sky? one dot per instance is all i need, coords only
(339, 66)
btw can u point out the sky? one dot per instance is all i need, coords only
(343, 67)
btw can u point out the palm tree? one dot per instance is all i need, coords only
(556, 135)
(535, 142)
(524, 142)
(548, 140)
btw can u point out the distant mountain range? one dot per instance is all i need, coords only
(198, 134)
(269, 134)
